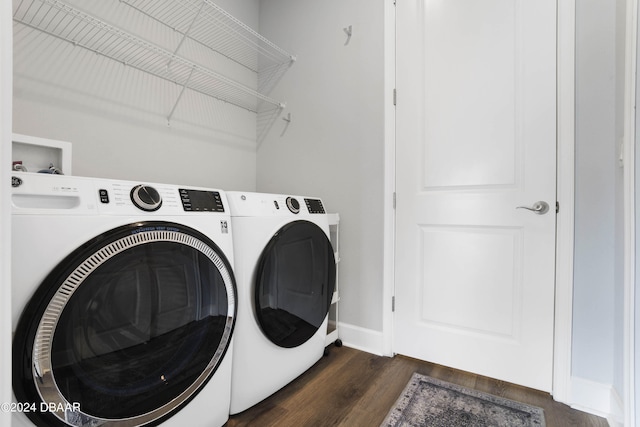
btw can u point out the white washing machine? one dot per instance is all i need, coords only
(286, 272)
(124, 303)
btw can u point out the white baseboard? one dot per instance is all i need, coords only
(598, 399)
(616, 416)
(362, 338)
(586, 395)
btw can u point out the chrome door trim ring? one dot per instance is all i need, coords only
(43, 377)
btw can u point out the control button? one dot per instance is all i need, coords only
(146, 198)
(293, 205)
(275, 202)
(104, 196)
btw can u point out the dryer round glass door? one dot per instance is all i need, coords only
(127, 328)
(295, 281)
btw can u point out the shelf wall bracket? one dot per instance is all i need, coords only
(186, 33)
(175, 104)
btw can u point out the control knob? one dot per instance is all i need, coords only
(293, 205)
(146, 198)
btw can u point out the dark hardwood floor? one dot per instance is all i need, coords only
(352, 388)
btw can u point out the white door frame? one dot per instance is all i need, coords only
(565, 192)
(389, 242)
(566, 196)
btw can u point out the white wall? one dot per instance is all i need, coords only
(334, 145)
(636, 342)
(619, 292)
(5, 212)
(116, 116)
(595, 168)
(598, 268)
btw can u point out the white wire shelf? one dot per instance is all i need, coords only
(206, 23)
(60, 20)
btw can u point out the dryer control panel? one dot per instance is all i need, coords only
(243, 204)
(314, 206)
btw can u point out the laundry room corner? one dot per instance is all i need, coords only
(332, 143)
(181, 267)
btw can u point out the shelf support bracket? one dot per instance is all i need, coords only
(186, 33)
(186, 84)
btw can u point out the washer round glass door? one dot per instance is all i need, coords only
(295, 281)
(127, 329)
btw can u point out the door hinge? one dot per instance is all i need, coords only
(557, 207)
(393, 304)
(394, 96)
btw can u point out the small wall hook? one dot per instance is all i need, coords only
(288, 120)
(348, 31)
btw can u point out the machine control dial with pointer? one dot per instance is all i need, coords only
(293, 205)
(146, 198)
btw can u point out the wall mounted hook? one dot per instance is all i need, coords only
(348, 31)
(286, 126)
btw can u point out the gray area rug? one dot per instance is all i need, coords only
(427, 401)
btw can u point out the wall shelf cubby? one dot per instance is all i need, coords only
(34, 154)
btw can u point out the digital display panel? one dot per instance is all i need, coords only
(201, 201)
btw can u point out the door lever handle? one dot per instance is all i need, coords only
(539, 208)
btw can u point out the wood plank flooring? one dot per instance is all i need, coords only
(351, 388)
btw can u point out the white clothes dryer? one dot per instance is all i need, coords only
(286, 273)
(124, 303)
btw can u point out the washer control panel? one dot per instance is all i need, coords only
(159, 197)
(124, 196)
(52, 194)
(146, 198)
(201, 201)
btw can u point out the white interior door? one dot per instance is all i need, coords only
(476, 138)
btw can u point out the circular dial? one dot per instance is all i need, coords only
(293, 205)
(146, 198)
